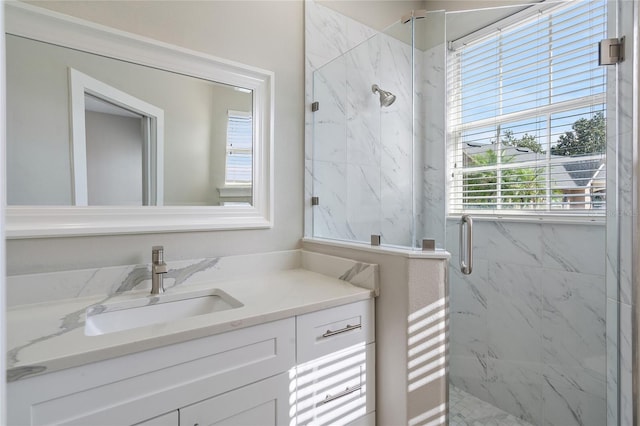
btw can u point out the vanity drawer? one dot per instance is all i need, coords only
(337, 389)
(324, 332)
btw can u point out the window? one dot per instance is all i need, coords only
(238, 166)
(527, 115)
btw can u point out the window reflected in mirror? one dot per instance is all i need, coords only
(207, 133)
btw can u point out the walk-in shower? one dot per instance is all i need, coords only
(483, 126)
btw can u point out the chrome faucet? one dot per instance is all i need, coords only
(158, 269)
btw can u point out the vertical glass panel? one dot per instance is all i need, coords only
(396, 125)
(364, 149)
(429, 121)
(330, 150)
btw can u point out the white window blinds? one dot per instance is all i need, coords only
(238, 169)
(527, 115)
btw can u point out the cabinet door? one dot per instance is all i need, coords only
(264, 403)
(137, 387)
(169, 419)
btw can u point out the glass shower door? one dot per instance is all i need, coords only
(534, 329)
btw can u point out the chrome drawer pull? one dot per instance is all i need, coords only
(330, 333)
(345, 392)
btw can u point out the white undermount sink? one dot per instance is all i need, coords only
(117, 316)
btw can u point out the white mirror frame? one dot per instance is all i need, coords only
(47, 221)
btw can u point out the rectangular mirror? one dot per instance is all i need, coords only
(109, 132)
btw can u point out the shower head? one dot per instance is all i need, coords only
(386, 98)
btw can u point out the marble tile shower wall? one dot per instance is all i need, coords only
(358, 156)
(528, 325)
(621, 215)
(430, 119)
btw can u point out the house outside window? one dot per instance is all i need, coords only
(527, 115)
(239, 158)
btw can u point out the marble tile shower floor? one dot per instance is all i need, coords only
(467, 410)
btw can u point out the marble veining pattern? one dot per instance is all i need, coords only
(513, 386)
(370, 147)
(526, 327)
(363, 205)
(620, 284)
(49, 336)
(612, 361)
(467, 410)
(621, 217)
(559, 246)
(397, 140)
(363, 109)
(514, 310)
(329, 216)
(626, 364)
(325, 34)
(429, 125)
(138, 275)
(329, 122)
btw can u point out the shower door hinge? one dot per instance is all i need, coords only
(428, 245)
(315, 201)
(315, 106)
(611, 51)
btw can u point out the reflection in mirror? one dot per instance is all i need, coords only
(115, 159)
(193, 169)
(117, 142)
(84, 129)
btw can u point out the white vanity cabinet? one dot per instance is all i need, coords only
(139, 387)
(335, 372)
(265, 403)
(250, 376)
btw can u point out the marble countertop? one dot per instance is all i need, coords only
(49, 336)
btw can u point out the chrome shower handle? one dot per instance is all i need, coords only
(466, 262)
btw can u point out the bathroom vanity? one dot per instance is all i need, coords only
(295, 345)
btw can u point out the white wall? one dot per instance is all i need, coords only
(40, 152)
(266, 34)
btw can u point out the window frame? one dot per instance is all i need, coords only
(456, 130)
(229, 147)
